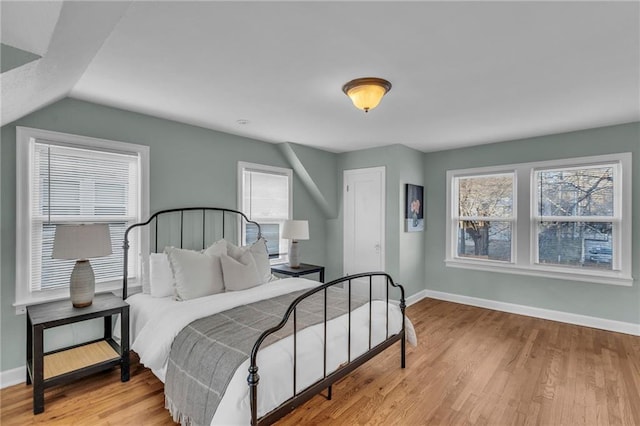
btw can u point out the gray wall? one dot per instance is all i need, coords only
(188, 166)
(404, 251)
(597, 300)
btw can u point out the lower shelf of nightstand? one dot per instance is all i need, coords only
(70, 360)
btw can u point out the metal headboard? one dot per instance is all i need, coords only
(237, 215)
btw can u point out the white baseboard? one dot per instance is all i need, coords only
(566, 317)
(12, 377)
(415, 298)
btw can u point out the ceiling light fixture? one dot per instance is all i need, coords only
(366, 93)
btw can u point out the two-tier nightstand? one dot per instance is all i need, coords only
(64, 365)
(304, 269)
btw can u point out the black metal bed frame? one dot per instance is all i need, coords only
(328, 380)
(155, 217)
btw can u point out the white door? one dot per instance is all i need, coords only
(364, 224)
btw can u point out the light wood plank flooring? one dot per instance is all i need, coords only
(472, 366)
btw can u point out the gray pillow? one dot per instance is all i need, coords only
(197, 274)
(240, 274)
(216, 249)
(260, 256)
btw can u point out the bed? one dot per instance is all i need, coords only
(249, 355)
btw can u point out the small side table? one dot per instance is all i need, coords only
(67, 364)
(304, 269)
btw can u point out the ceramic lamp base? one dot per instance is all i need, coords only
(294, 255)
(82, 285)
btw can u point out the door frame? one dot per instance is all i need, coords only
(383, 212)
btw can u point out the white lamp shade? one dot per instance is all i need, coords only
(82, 241)
(295, 230)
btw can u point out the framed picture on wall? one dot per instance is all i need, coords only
(414, 208)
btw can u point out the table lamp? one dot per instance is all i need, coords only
(295, 230)
(80, 242)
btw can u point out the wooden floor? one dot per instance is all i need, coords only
(472, 366)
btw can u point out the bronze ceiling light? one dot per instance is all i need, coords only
(366, 93)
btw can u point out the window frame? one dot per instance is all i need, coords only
(513, 219)
(525, 228)
(25, 138)
(615, 219)
(263, 168)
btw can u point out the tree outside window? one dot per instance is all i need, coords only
(575, 216)
(485, 216)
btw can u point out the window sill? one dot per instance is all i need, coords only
(598, 277)
(279, 260)
(51, 296)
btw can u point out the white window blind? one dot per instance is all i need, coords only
(265, 193)
(79, 185)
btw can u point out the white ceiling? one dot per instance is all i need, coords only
(463, 73)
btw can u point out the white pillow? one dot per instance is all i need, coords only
(161, 281)
(216, 249)
(145, 276)
(260, 256)
(196, 274)
(235, 251)
(240, 274)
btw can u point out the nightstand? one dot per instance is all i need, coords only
(64, 365)
(304, 269)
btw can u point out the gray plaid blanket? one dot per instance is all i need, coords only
(206, 353)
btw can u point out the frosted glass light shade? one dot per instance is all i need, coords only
(82, 241)
(366, 93)
(295, 230)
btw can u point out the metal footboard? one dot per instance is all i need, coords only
(328, 379)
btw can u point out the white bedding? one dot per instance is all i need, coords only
(156, 321)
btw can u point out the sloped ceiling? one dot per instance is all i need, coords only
(66, 35)
(463, 73)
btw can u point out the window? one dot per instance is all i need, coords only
(569, 219)
(265, 197)
(575, 219)
(485, 216)
(72, 179)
